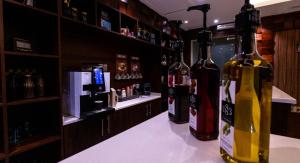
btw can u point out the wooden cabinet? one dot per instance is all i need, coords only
(128, 117)
(86, 133)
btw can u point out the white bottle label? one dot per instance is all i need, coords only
(227, 116)
(193, 118)
(171, 94)
(194, 104)
(185, 80)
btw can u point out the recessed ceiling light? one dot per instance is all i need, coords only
(186, 21)
(261, 3)
(216, 21)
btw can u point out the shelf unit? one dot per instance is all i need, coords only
(14, 53)
(38, 25)
(32, 101)
(46, 26)
(32, 144)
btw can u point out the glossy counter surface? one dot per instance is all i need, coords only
(279, 96)
(160, 141)
(137, 101)
(120, 105)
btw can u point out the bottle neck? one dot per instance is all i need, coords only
(181, 57)
(248, 44)
(204, 53)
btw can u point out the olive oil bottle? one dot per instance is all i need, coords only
(246, 97)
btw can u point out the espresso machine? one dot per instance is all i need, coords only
(88, 91)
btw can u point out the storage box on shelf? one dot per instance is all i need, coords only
(128, 26)
(78, 10)
(148, 33)
(108, 18)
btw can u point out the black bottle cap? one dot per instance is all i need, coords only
(248, 19)
(204, 37)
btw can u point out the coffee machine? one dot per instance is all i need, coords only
(88, 91)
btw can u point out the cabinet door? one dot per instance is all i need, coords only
(155, 108)
(119, 121)
(138, 114)
(81, 135)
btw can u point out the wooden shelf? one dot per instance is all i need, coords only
(29, 7)
(33, 100)
(32, 143)
(15, 53)
(100, 29)
(2, 156)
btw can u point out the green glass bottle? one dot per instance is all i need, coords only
(246, 97)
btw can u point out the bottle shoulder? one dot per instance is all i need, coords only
(204, 65)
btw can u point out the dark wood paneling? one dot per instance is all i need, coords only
(286, 62)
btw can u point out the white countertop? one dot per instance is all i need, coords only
(137, 101)
(160, 141)
(279, 96)
(120, 105)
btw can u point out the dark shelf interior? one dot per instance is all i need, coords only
(106, 15)
(40, 30)
(32, 100)
(87, 6)
(23, 65)
(130, 23)
(31, 123)
(44, 6)
(38, 150)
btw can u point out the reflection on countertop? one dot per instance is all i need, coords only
(160, 141)
(279, 96)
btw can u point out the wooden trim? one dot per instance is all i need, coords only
(29, 7)
(32, 144)
(16, 53)
(31, 101)
(3, 85)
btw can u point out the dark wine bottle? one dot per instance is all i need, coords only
(204, 89)
(178, 85)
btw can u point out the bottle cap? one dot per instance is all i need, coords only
(248, 19)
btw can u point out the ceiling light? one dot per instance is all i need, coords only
(124, 1)
(261, 3)
(216, 21)
(186, 21)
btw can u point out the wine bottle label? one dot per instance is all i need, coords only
(185, 80)
(171, 94)
(193, 86)
(227, 116)
(193, 118)
(194, 103)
